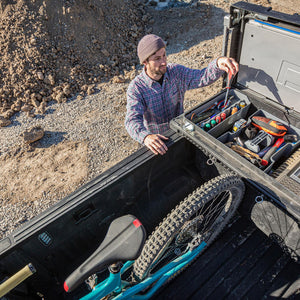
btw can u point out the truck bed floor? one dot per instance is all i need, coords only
(242, 263)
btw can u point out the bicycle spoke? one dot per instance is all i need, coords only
(215, 210)
(213, 214)
(212, 203)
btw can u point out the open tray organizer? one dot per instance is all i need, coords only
(236, 120)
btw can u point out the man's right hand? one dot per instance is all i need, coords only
(155, 143)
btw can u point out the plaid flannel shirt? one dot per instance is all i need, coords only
(151, 106)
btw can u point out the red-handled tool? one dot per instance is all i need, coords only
(273, 149)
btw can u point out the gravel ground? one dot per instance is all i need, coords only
(97, 115)
(61, 123)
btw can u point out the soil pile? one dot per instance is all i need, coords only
(52, 50)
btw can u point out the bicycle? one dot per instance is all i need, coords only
(187, 230)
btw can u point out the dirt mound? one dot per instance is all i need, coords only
(37, 165)
(52, 50)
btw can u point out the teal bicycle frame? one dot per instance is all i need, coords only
(114, 283)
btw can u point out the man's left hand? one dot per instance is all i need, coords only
(228, 64)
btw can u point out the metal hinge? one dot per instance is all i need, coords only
(237, 17)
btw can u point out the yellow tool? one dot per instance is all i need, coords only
(251, 156)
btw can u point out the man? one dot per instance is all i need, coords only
(156, 96)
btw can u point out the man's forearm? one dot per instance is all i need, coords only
(136, 129)
(211, 74)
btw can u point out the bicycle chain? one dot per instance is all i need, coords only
(197, 240)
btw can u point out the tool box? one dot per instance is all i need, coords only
(255, 131)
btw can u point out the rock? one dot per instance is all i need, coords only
(67, 90)
(27, 94)
(33, 41)
(118, 79)
(42, 108)
(90, 90)
(32, 135)
(7, 114)
(26, 108)
(16, 106)
(105, 52)
(60, 97)
(49, 79)
(35, 103)
(40, 75)
(84, 87)
(30, 114)
(4, 122)
(101, 13)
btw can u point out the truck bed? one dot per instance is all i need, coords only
(242, 263)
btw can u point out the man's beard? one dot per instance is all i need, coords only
(160, 71)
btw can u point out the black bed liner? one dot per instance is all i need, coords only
(242, 263)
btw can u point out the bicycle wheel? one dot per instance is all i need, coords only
(199, 217)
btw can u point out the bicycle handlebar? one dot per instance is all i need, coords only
(16, 279)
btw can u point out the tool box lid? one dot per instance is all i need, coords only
(267, 46)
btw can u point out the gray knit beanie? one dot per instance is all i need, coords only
(148, 45)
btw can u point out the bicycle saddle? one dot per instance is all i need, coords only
(124, 241)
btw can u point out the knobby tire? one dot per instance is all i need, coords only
(199, 217)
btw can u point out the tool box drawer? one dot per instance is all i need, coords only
(231, 129)
(246, 153)
(211, 111)
(260, 146)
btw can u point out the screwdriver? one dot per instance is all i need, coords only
(229, 78)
